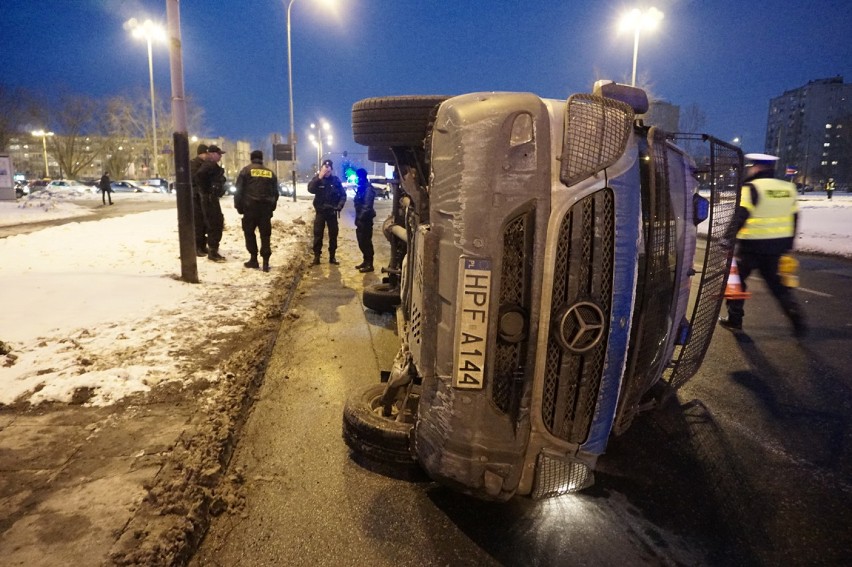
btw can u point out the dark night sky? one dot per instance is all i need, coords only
(727, 56)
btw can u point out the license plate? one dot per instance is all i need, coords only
(472, 327)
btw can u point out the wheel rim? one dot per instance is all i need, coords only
(402, 410)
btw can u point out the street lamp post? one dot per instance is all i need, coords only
(149, 31)
(635, 20)
(323, 131)
(43, 136)
(290, 85)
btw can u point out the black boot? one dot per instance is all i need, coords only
(366, 268)
(252, 263)
(316, 260)
(201, 251)
(731, 323)
(266, 264)
(361, 265)
(333, 260)
(214, 255)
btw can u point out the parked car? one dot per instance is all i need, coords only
(126, 186)
(381, 186)
(230, 188)
(67, 186)
(285, 189)
(542, 276)
(158, 185)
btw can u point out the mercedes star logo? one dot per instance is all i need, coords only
(580, 327)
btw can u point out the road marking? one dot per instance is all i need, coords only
(819, 293)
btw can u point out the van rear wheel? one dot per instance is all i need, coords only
(381, 297)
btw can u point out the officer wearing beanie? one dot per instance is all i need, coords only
(329, 198)
(256, 199)
(765, 227)
(197, 213)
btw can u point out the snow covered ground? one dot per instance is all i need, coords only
(99, 304)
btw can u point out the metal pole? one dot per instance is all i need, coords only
(153, 108)
(290, 81)
(44, 146)
(635, 54)
(186, 223)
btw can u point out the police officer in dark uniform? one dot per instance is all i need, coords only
(255, 199)
(211, 186)
(765, 226)
(329, 198)
(197, 212)
(365, 212)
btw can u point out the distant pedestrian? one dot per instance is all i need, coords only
(105, 185)
(329, 199)
(197, 210)
(255, 199)
(211, 187)
(829, 187)
(365, 196)
(765, 226)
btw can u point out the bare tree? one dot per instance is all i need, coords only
(128, 123)
(80, 134)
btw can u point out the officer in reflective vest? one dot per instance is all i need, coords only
(765, 227)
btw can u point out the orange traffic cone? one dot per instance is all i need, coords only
(734, 289)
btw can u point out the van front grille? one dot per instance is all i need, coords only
(583, 273)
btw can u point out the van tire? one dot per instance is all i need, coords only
(379, 443)
(393, 121)
(381, 297)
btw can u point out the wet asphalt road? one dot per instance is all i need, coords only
(750, 466)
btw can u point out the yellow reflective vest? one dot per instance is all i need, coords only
(771, 214)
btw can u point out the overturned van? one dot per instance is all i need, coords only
(545, 280)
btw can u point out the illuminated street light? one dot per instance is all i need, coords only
(636, 20)
(323, 137)
(43, 135)
(149, 31)
(290, 84)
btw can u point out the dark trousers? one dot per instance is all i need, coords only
(364, 234)
(325, 218)
(213, 220)
(767, 265)
(104, 195)
(258, 218)
(200, 223)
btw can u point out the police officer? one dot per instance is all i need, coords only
(211, 186)
(197, 212)
(329, 198)
(255, 199)
(365, 212)
(829, 187)
(765, 225)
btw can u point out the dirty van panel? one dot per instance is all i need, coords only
(489, 201)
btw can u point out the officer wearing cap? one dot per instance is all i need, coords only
(765, 226)
(255, 199)
(329, 198)
(211, 186)
(197, 213)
